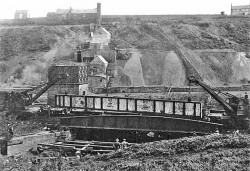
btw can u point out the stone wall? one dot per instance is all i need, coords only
(77, 74)
(45, 21)
(38, 138)
(163, 89)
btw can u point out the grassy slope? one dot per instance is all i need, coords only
(212, 152)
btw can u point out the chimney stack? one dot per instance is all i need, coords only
(98, 17)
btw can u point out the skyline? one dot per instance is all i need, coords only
(115, 7)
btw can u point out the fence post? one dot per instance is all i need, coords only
(4, 145)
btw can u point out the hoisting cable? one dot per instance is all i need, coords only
(189, 93)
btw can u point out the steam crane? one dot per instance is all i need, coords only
(236, 109)
(51, 83)
(17, 101)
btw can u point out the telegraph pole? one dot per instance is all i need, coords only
(107, 81)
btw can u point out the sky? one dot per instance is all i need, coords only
(40, 8)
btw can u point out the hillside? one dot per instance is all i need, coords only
(168, 48)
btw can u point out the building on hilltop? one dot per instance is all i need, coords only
(21, 14)
(71, 15)
(240, 10)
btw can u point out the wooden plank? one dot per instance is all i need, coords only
(99, 146)
(46, 158)
(55, 145)
(93, 142)
(86, 142)
(66, 145)
(15, 142)
(105, 151)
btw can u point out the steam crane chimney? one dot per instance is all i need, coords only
(231, 9)
(98, 15)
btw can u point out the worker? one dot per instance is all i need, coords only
(217, 132)
(246, 96)
(10, 131)
(117, 144)
(49, 110)
(63, 135)
(41, 110)
(78, 154)
(124, 144)
(205, 115)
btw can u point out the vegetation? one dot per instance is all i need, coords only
(211, 152)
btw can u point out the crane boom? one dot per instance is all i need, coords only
(236, 108)
(226, 106)
(34, 88)
(51, 83)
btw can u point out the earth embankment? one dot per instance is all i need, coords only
(210, 46)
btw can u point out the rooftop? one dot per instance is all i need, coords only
(241, 7)
(22, 11)
(76, 11)
(101, 58)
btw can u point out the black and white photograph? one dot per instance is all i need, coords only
(124, 85)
